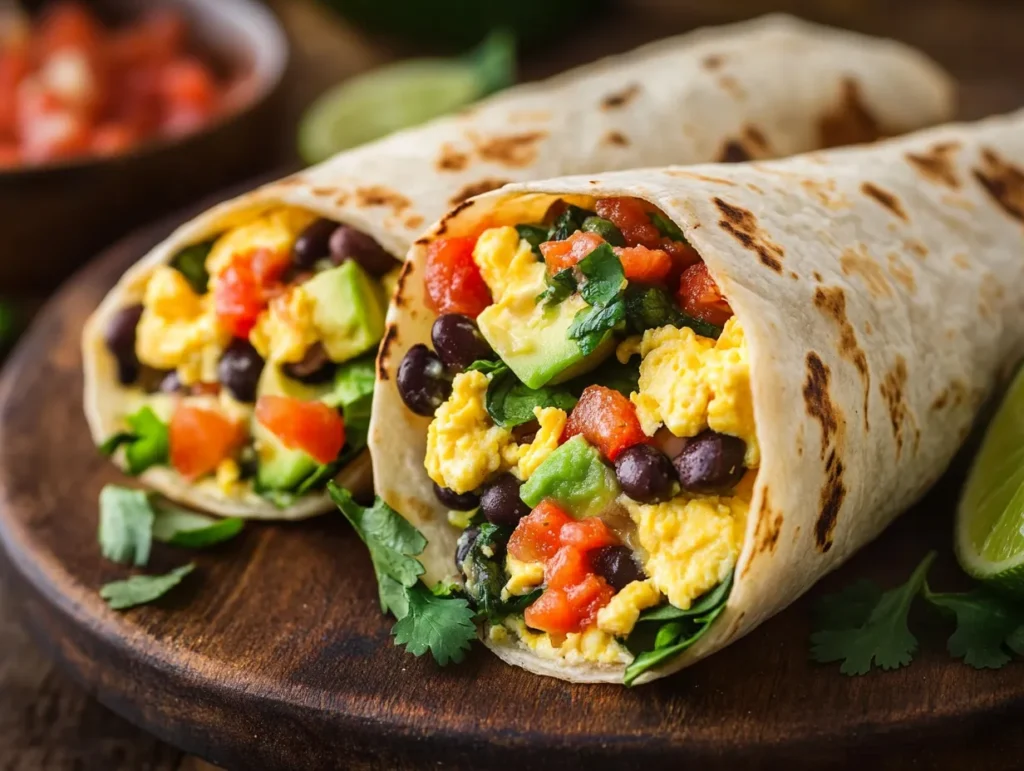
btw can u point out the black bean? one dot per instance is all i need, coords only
(616, 565)
(347, 243)
(457, 501)
(646, 474)
(239, 369)
(120, 339)
(458, 341)
(500, 502)
(423, 382)
(314, 367)
(710, 463)
(313, 243)
(465, 543)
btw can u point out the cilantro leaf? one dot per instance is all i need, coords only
(667, 227)
(510, 402)
(882, 639)
(559, 287)
(984, 625)
(191, 263)
(393, 542)
(848, 608)
(1015, 640)
(191, 530)
(591, 325)
(605, 278)
(139, 590)
(650, 307)
(604, 228)
(442, 625)
(567, 223)
(534, 235)
(126, 525)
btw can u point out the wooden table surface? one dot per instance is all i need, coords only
(48, 722)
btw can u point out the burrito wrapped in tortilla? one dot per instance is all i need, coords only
(232, 367)
(661, 403)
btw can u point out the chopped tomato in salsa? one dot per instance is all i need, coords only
(244, 288)
(453, 280)
(632, 219)
(560, 255)
(648, 266)
(607, 420)
(573, 593)
(200, 439)
(313, 427)
(69, 86)
(700, 297)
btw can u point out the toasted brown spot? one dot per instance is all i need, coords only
(767, 531)
(817, 276)
(1003, 181)
(400, 298)
(413, 221)
(831, 301)
(701, 177)
(868, 328)
(859, 263)
(476, 188)
(620, 98)
(342, 199)
(742, 225)
(754, 138)
(826, 192)
(754, 188)
(990, 293)
(378, 195)
(936, 164)
(892, 390)
(384, 353)
(730, 84)
(515, 150)
(323, 192)
(916, 248)
(442, 227)
(848, 122)
(712, 62)
(452, 159)
(734, 152)
(818, 402)
(616, 138)
(884, 197)
(901, 273)
(830, 502)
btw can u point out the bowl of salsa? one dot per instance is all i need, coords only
(114, 110)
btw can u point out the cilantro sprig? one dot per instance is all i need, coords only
(441, 622)
(864, 627)
(602, 290)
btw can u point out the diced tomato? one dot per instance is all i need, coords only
(10, 155)
(14, 67)
(312, 427)
(536, 537)
(187, 82)
(648, 266)
(587, 534)
(47, 129)
(552, 612)
(200, 439)
(68, 25)
(560, 255)
(154, 40)
(606, 419)
(700, 297)
(632, 219)
(568, 567)
(243, 289)
(112, 138)
(683, 255)
(588, 597)
(453, 280)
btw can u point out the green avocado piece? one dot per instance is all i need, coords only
(279, 467)
(348, 310)
(574, 476)
(534, 341)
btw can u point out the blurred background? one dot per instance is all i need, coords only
(217, 93)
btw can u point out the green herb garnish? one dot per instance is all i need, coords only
(191, 530)
(986, 626)
(488, 367)
(650, 307)
(534, 235)
(191, 263)
(425, 621)
(139, 590)
(604, 228)
(559, 287)
(145, 445)
(567, 223)
(485, 577)
(602, 290)
(510, 402)
(591, 326)
(126, 525)
(667, 227)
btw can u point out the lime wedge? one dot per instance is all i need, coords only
(401, 95)
(990, 518)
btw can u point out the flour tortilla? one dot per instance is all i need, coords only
(882, 294)
(770, 87)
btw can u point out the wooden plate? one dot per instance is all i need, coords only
(275, 653)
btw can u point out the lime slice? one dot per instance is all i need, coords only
(990, 519)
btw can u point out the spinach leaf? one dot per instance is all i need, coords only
(510, 402)
(667, 227)
(560, 286)
(605, 278)
(650, 307)
(568, 222)
(487, 367)
(534, 235)
(613, 374)
(591, 325)
(604, 228)
(482, 567)
(191, 263)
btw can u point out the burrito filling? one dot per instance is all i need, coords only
(593, 430)
(246, 362)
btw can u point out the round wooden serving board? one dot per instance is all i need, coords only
(275, 654)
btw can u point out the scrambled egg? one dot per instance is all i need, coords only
(591, 645)
(619, 616)
(690, 383)
(523, 577)
(275, 230)
(179, 329)
(506, 260)
(228, 474)
(692, 543)
(552, 422)
(285, 330)
(464, 448)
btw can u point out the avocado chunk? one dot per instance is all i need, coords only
(533, 338)
(575, 477)
(348, 310)
(279, 467)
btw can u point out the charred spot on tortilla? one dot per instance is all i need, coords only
(730, 84)
(831, 501)
(616, 138)
(620, 98)
(848, 122)
(742, 225)
(892, 390)
(378, 195)
(452, 159)
(767, 530)
(818, 403)
(1003, 181)
(817, 276)
(734, 152)
(700, 177)
(916, 248)
(323, 192)
(341, 200)
(901, 273)
(384, 352)
(712, 62)
(885, 198)
(413, 221)
(831, 301)
(403, 275)
(514, 150)
(476, 188)
(442, 227)
(857, 262)
(754, 138)
(936, 164)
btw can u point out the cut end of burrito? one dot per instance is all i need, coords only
(591, 432)
(233, 368)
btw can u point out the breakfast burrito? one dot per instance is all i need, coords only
(233, 366)
(659, 404)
